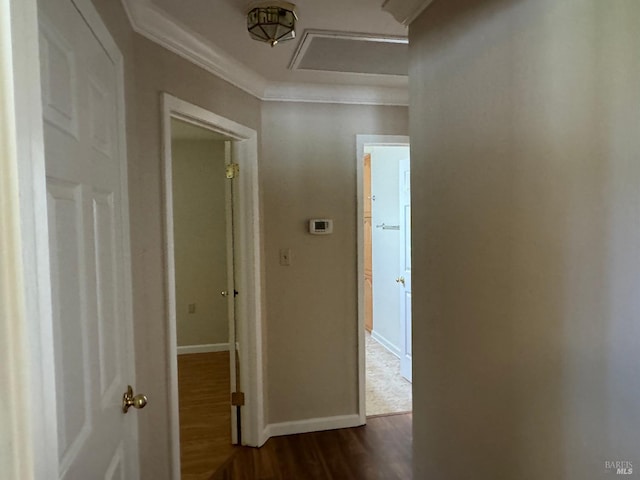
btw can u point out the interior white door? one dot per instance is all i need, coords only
(405, 267)
(90, 269)
(234, 371)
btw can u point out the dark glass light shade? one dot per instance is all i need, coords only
(272, 23)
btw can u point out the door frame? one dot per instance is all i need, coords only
(26, 335)
(361, 142)
(249, 308)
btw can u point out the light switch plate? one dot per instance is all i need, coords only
(285, 257)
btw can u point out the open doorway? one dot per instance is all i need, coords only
(215, 161)
(385, 296)
(202, 243)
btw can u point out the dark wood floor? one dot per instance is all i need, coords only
(205, 413)
(381, 450)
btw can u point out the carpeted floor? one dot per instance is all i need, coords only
(387, 390)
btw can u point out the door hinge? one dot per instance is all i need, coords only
(233, 169)
(237, 399)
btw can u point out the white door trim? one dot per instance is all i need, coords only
(361, 141)
(32, 450)
(248, 271)
(28, 409)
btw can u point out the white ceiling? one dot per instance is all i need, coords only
(223, 23)
(213, 34)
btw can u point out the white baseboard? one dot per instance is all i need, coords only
(385, 343)
(312, 425)
(207, 348)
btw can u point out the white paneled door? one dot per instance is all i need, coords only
(405, 268)
(90, 269)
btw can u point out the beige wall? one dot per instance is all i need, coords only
(525, 172)
(200, 241)
(308, 170)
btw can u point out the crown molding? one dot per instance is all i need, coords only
(406, 11)
(153, 23)
(329, 93)
(150, 21)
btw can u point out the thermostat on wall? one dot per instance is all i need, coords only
(320, 226)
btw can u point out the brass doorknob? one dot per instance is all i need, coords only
(129, 400)
(224, 293)
(400, 280)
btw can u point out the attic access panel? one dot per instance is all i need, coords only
(352, 53)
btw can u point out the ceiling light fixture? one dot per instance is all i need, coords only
(272, 21)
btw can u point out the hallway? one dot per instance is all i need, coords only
(381, 450)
